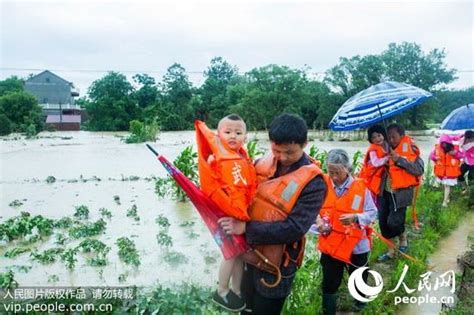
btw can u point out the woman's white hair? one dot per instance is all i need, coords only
(339, 157)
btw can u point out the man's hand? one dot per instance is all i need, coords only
(232, 226)
(347, 219)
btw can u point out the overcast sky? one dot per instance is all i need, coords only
(78, 39)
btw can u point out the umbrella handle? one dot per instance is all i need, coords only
(277, 271)
(151, 149)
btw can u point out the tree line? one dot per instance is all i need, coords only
(112, 102)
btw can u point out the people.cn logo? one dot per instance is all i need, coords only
(357, 284)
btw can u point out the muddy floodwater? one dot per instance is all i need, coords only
(90, 169)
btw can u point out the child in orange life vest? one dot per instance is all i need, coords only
(447, 163)
(376, 158)
(228, 177)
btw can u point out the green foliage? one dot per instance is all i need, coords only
(111, 106)
(88, 229)
(164, 239)
(99, 249)
(69, 258)
(16, 203)
(318, 155)
(5, 124)
(173, 110)
(82, 212)
(253, 150)
(142, 132)
(7, 280)
(12, 253)
(22, 113)
(127, 251)
(175, 258)
(132, 213)
(11, 84)
(48, 256)
(50, 179)
(185, 299)
(186, 162)
(105, 213)
(162, 221)
(26, 226)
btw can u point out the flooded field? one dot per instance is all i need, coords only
(98, 170)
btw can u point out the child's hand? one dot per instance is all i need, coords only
(394, 155)
(211, 159)
(347, 219)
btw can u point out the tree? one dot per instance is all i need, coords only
(448, 100)
(22, 110)
(353, 75)
(147, 94)
(111, 106)
(215, 103)
(11, 84)
(270, 91)
(404, 62)
(407, 63)
(174, 110)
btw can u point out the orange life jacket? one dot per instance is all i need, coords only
(230, 179)
(342, 239)
(400, 177)
(371, 174)
(274, 201)
(447, 165)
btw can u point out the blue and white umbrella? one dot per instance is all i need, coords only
(460, 118)
(377, 103)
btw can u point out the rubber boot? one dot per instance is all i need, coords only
(329, 304)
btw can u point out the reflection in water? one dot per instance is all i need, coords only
(72, 157)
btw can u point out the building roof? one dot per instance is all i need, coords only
(54, 119)
(49, 72)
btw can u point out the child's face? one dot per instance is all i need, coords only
(233, 132)
(377, 138)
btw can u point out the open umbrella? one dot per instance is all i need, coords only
(460, 118)
(230, 245)
(377, 103)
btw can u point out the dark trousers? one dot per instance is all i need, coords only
(391, 218)
(466, 169)
(259, 304)
(333, 270)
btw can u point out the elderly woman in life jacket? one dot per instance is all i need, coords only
(344, 227)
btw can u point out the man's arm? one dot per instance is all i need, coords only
(296, 224)
(415, 168)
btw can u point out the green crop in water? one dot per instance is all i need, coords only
(16, 203)
(117, 199)
(175, 258)
(24, 225)
(50, 179)
(87, 230)
(132, 213)
(82, 212)
(69, 258)
(127, 251)
(105, 213)
(49, 256)
(164, 239)
(162, 221)
(12, 253)
(7, 280)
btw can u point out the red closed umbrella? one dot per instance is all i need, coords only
(230, 245)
